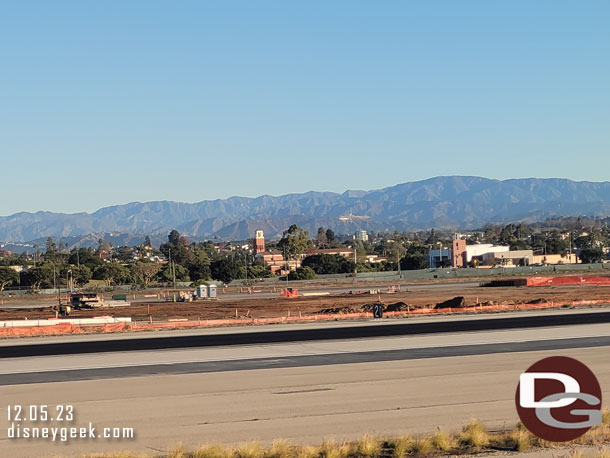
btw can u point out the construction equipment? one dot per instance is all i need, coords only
(79, 300)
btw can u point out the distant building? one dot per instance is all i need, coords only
(361, 236)
(480, 249)
(373, 259)
(259, 242)
(479, 255)
(511, 258)
(345, 252)
(555, 259)
(458, 253)
(273, 260)
(437, 257)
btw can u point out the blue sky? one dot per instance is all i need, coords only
(104, 103)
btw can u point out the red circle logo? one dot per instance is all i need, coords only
(559, 399)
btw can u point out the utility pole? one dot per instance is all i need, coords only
(172, 269)
(399, 273)
(174, 274)
(55, 285)
(355, 256)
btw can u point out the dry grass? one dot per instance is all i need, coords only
(603, 453)
(369, 446)
(473, 438)
(308, 451)
(330, 449)
(576, 454)
(213, 451)
(421, 446)
(250, 450)
(443, 441)
(401, 446)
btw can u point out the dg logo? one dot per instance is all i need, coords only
(559, 399)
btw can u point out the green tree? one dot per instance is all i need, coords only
(259, 271)
(51, 247)
(302, 273)
(113, 274)
(85, 256)
(591, 255)
(227, 269)
(144, 272)
(174, 237)
(177, 248)
(328, 264)
(81, 274)
(414, 262)
(321, 238)
(294, 242)
(361, 250)
(39, 276)
(199, 265)
(7, 277)
(166, 274)
(394, 251)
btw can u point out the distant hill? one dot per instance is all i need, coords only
(442, 202)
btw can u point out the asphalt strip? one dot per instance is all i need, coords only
(300, 361)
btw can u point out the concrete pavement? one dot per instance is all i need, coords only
(329, 398)
(302, 404)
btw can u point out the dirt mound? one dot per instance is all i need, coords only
(334, 310)
(369, 307)
(540, 300)
(397, 307)
(456, 302)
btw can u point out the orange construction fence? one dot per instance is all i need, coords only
(68, 328)
(569, 280)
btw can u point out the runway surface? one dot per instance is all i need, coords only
(302, 390)
(253, 336)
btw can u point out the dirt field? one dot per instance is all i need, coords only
(252, 306)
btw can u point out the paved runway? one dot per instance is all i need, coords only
(302, 391)
(253, 336)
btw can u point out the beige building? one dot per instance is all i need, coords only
(555, 259)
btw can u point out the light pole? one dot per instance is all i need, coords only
(55, 284)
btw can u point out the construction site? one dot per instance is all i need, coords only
(314, 301)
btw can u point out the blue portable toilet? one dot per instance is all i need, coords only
(202, 291)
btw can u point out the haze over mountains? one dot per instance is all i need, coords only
(442, 202)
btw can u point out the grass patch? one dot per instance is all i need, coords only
(213, 451)
(473, 438)
(368, 446)
(250, 450)
(421, 446)
(400, 446)
(443, 441)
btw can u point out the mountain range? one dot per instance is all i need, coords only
(460, 202)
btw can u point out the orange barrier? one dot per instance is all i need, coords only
(289, 292)
(57, 329)
(115, 327)
(567, 281)
(68, 328)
